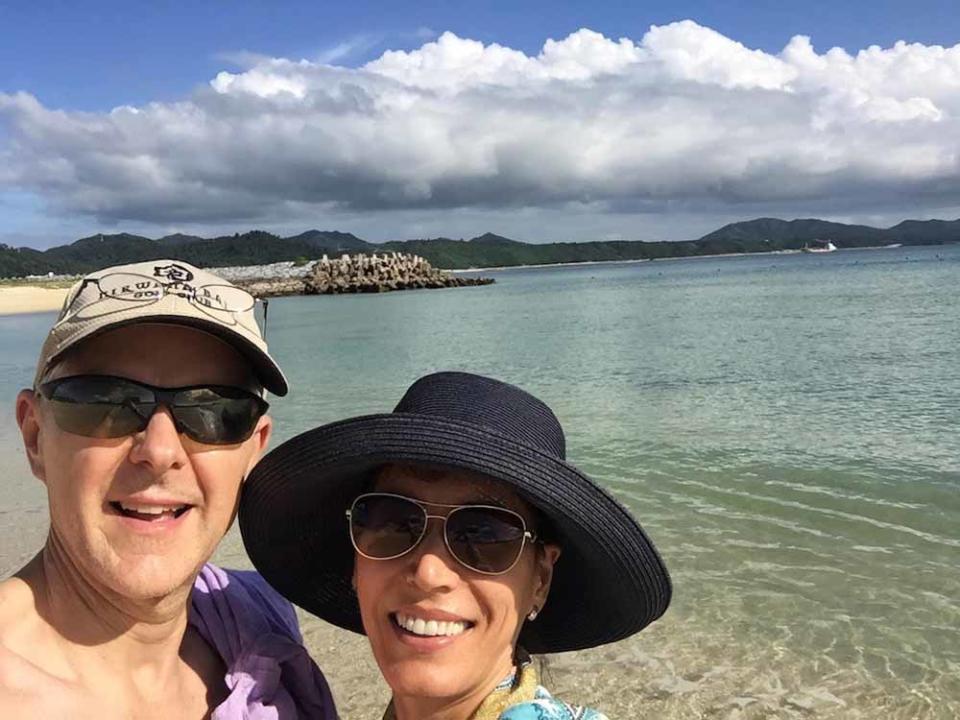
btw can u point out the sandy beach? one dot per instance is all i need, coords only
(29, 299)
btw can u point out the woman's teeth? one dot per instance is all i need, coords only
(430, 628)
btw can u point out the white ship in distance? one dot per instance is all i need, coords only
(819, 246)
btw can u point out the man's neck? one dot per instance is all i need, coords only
(101, 632)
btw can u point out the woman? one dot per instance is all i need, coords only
(453, 532)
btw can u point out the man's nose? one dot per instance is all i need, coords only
(159, 445)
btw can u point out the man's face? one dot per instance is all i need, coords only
(92, 483)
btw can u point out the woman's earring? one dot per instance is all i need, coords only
(532, 615)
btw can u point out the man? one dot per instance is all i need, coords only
(146, 415)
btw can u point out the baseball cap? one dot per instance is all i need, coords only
(161, 291)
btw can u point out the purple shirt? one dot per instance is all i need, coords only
(269, 673)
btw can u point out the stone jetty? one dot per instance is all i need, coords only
(375, 273)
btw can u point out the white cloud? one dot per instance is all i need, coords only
(685, 119)
(347, 48)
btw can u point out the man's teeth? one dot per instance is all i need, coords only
(153, 510)
(431, 628)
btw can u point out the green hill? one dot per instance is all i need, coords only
(178, 239)
(489, 250)
(926, 232)
(20, 262)
(774, 234)
(90, 253)
(333, 241)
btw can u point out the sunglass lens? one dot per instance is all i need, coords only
(383, 526)
(485, 539)
(217, 416)
(95, 421)
(100, 407)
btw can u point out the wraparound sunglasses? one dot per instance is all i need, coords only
(484, 538)
(105, 406)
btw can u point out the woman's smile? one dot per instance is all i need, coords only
(421, 626)
(426, 636)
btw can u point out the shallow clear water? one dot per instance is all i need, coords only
(786, 428)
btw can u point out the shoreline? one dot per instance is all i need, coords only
(626, 262)
(499, 268)
(25, 299)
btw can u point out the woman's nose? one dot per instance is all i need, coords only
(433, 569)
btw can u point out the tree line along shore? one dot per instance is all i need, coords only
(486, 251)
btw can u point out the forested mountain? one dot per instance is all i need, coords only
(258, 247)
(331, 241)
(787, 234)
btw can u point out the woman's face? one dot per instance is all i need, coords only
(483, 613)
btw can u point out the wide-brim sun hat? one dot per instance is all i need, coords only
(609, 582)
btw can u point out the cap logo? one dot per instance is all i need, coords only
(173, 272)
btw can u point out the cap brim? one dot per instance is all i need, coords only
(609, 582)
(267, 371)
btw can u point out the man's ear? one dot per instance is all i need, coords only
(260, 439)
(29, 421)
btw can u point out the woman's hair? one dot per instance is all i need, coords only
(544, 528)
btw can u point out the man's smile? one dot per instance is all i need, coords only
(150, 513)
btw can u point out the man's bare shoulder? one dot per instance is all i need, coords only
(21, 628)
(19, 617)
(18, 611)
(25, 687)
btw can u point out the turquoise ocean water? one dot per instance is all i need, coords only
(785, 427)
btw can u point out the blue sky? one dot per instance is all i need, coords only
(92, 57)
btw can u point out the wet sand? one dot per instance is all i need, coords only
(30, 299)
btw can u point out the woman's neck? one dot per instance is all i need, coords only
(463, 707)
(418, 708)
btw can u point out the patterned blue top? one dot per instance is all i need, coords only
(520, 696)
(545, 707)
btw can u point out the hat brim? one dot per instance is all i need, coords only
(609, 582)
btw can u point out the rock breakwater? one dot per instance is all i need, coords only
(376, 273)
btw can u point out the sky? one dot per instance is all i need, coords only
(542, 121)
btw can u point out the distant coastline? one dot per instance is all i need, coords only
(546, 265)
(257, 247)
(21, 296)
(666, 259)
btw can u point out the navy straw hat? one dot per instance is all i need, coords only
(609, 582)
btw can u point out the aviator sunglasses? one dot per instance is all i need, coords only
(484, 538)
(104, 406)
